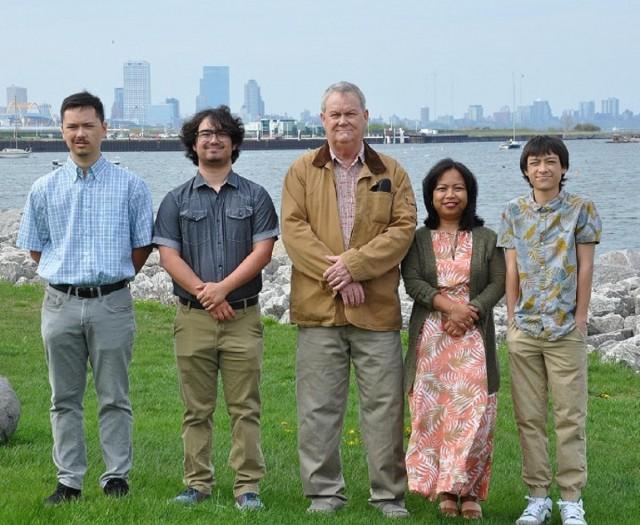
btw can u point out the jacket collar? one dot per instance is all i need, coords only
(371, 159)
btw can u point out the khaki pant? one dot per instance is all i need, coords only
(559, 367)
(322, 383)
(203, 347)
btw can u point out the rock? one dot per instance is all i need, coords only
(601, 305)
(625, 258)
(598, 340)
(9, 410)
(605, 324)
(627, 352)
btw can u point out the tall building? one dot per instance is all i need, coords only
(16, 95)
(587, 111)
(541, 115)
(214, 87)
(175, 112)
(137, 90)
(475, 113)
(253, 103)
(117, 110)
(424, 117)
(611, 106)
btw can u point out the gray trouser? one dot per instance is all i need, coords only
(322, 384)
(100, 330)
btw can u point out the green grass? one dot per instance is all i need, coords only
(27, 474)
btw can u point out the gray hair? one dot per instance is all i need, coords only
(343, 87)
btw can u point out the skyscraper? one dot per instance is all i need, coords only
(16, 95)
(117, 110)
(611, 106)
(214, 87)
(253, 103)
(137, 90)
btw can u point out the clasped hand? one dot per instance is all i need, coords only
(212, 296)
(460, 318)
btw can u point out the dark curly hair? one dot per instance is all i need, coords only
(223, 120)
(469, 219)
(544, 145)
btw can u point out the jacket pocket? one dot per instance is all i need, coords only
(379, 206)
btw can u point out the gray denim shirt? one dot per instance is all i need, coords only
(215, 232)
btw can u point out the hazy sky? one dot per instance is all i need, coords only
(404, 54)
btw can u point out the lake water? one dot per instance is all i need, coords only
(607, 173)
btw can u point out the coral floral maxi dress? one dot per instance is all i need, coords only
(452, 415)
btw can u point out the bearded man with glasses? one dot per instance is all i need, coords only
(215, 234)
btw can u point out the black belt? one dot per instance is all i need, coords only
(236, 305)
(89, 292)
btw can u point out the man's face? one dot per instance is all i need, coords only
(212, 146)
(344, 120)
(83, 132)
(545, 172)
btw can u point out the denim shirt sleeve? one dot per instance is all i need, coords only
(264, 220)
(166, 231)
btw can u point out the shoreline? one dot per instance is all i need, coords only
(614, 321)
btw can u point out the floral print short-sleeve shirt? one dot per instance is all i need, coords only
(545, 238)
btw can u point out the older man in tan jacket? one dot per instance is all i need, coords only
(348, 218)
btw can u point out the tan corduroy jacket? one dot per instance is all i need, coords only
(382, 233)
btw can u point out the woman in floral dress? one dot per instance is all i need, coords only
(455, 274)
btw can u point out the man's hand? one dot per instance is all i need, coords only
(223, 312)
(337, 275)
(352, 294)
(211, 295)
(581, 324)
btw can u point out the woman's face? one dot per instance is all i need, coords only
(450, 195)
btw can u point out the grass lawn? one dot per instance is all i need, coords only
(27, 474)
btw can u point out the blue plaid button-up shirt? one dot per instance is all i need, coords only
(86, 226)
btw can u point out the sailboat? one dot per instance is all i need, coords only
(15, 153)
(512, 143)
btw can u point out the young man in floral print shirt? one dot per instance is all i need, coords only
(549, 237)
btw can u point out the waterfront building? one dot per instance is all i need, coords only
(136, 90)
(587, 111)
(253, 108)
(175, 113)
(214, 87)
(611, 107)
(16, 95)
(475, 113)
(424, 117)
(541, 116)
(117, 109)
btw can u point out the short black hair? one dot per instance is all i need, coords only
(83, 99)
(224, 121)
(469, 219)
(544, 145)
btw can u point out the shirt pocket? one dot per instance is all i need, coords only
(195, 227)
(379, 206)
(239, 223)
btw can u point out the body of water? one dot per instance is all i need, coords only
(607, 173)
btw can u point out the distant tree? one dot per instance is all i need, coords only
(586, 127)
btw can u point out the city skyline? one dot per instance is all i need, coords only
(404, 56)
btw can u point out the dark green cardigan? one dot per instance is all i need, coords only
(486, 289)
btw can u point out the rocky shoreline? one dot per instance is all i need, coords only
(614, 323)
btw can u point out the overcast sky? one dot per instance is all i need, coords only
(403, 54)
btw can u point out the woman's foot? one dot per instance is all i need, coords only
(449, 505)
(470, 508)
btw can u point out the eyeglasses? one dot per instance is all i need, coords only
(205, 135)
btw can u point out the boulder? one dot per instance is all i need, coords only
(606, 323)
(9, 410)
(627, 352)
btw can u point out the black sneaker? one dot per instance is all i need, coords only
(116, 488)
(62, 494)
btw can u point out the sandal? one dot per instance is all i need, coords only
(449, 505)
(471, 509)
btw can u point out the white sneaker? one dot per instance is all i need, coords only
(571, 512)
(537, 512)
